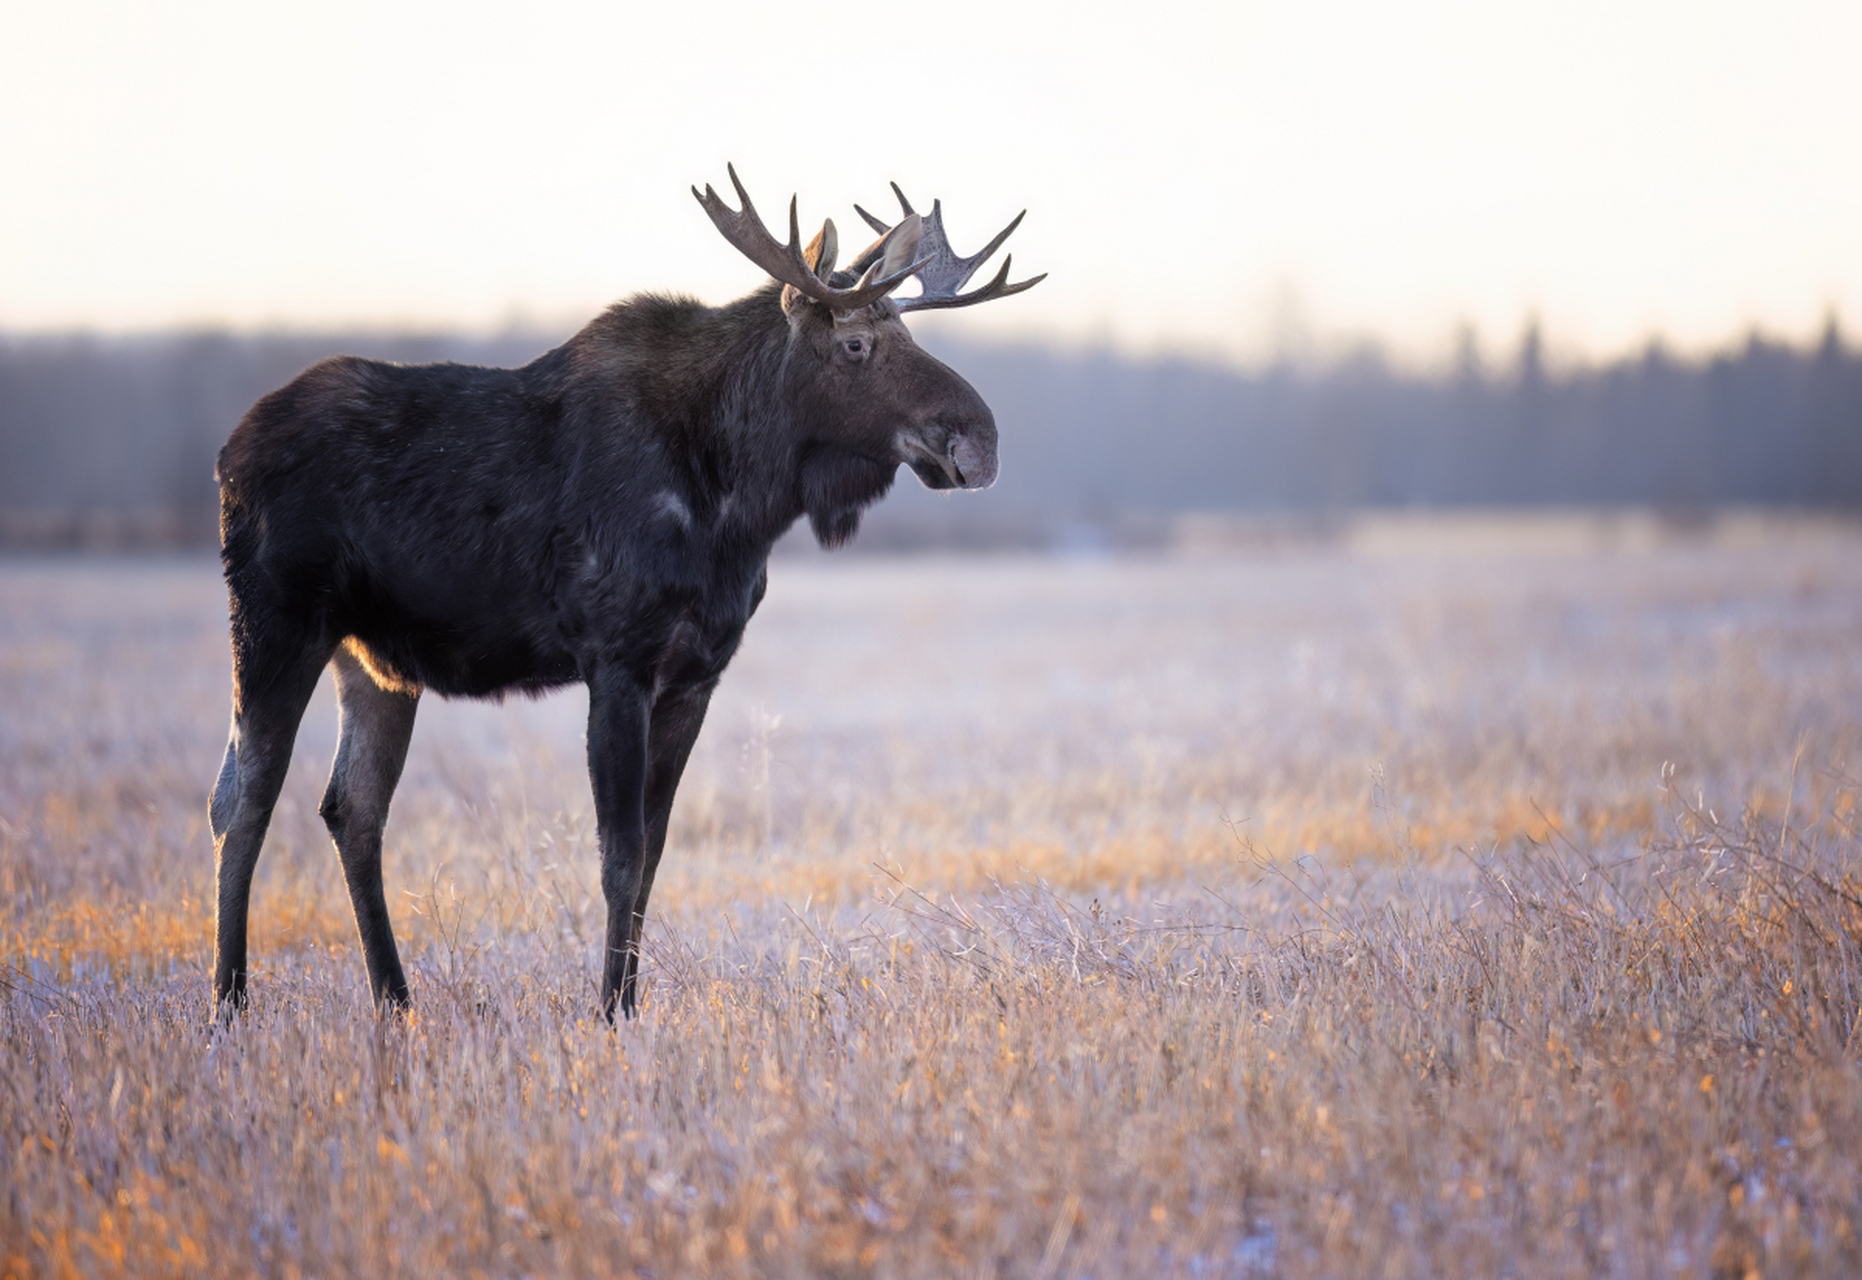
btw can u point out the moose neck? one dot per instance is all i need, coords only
(713, 382)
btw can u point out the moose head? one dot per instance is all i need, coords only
(854, 373)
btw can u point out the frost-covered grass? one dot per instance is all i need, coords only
(1387, 906)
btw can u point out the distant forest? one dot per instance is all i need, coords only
(111, 441)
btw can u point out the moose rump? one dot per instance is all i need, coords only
(363, 530)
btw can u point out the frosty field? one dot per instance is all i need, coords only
(1445, 897)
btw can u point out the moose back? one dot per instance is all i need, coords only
(604, 515)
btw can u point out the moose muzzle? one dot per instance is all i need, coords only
(947, 457)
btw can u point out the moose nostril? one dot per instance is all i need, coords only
(950, 452)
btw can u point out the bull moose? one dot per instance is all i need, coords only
(603, 514)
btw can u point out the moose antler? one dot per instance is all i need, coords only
(946, 273)
(790, 264)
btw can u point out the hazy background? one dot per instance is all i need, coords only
(1303, 258)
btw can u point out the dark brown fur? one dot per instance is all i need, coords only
(603, 515)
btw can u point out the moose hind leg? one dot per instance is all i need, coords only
(617, 767)
(376, 726)
(266, 712)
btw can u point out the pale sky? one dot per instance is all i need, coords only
(1229, 179)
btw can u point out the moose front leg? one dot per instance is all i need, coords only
(676, 720)
(617, 767)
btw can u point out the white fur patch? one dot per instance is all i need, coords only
(670, 504)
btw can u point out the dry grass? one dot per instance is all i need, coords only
(1381, 909)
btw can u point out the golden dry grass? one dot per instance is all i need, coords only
(1394, 907)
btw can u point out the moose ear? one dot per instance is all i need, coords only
(901, 245)
(822, 251)
(819, 257)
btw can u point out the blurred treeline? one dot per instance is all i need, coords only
(111, 441)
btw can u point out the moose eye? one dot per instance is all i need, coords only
(854, 346)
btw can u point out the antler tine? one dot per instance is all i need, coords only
(875, 223)
(984, 253)
(943, 279)
(996, 288)
(787, 263)
(871, 221)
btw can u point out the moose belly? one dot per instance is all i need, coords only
(462, 667)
